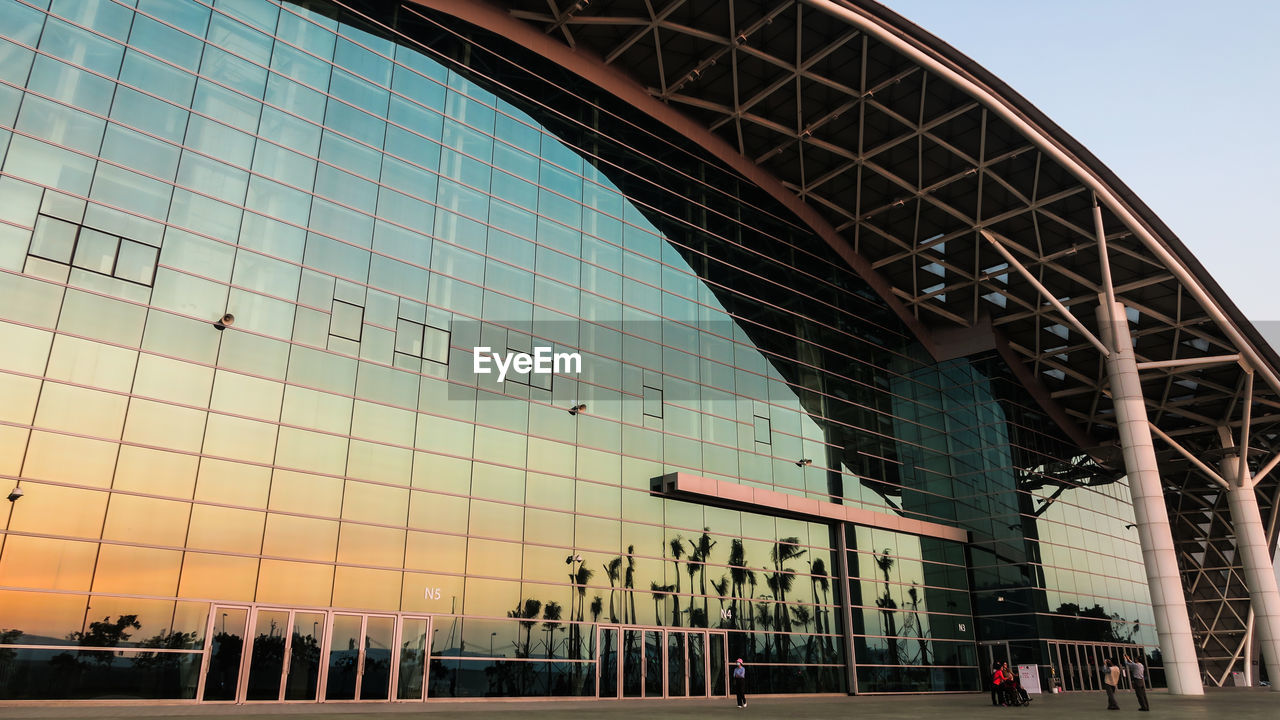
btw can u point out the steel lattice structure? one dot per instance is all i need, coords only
(966, 209)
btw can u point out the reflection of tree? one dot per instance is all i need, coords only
(821, 581)
(660, 593)
(677, 551)
(888, 606)
(105, 634)
(699, 555)
(8, 655)
(579, 580)
(527, 615)
(613, 569)
(164, 667)
(738, 574)
(1073, 622)
(722, 589)
(224, 666)
(782, 578)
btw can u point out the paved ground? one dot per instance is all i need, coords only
(1235, 704)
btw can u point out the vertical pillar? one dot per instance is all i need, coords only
(1173, 626)
(846, 607)
(1259, 573)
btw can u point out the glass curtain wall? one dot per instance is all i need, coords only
(249, 249)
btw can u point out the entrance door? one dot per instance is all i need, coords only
(411, 673)
(221, 679)
(657, 662)
(284, 655)
(717, 663)
(607, 662)
(360, 653)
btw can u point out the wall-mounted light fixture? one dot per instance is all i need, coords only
(803, 462)
(15, 493)
(577, 409)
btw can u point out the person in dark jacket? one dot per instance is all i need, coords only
(740, 683)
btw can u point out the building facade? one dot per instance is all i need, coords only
(256, 256)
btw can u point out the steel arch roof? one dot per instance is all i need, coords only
(936, 180)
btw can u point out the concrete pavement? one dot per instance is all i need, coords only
(1236, 704)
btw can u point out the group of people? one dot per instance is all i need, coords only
(1137, 678)
(1007, 690)
(1006, 687)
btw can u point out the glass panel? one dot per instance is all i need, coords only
(378, 640)
(267, 657)
(632, 668)
(717, 664)
(304, 657)
(653, 663)
(697, 665)
(608, 662)
(413, 658)
(225, 653)
(675, 664)
(344, 658)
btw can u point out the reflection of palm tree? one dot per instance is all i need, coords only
(527, 616)
(721, 588)
(550, 621)
(781, 553)
(677, 551)
(701, 554)
(739, 573)
(821, 580)
(580, 579)
(887, 605)
(659, 593)
(691, 566)
(612, 569)
(597, 606)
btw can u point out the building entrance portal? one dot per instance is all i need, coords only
(268, 654)
(661, 663)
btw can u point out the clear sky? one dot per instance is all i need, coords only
(1181, 99)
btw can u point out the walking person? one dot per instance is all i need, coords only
(740, 683)
(1138, 677)
(1110, 682)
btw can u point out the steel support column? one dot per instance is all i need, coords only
(1259, 573)
(1168, 602)
(846, 606)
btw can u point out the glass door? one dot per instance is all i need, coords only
(697, 664)
(717, 663)
(302, 678)
(266, 655)
(411, 673)
(676, 680)
(360, 654)
(226, 631)
(653, 663)
(632, 663)
(607, 661)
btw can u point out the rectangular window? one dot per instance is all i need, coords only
(99, 252)
(346, 321)
(652, 401)
(763, 434)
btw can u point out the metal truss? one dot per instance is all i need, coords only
(973, 223)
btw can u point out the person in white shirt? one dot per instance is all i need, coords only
(1110, 681)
